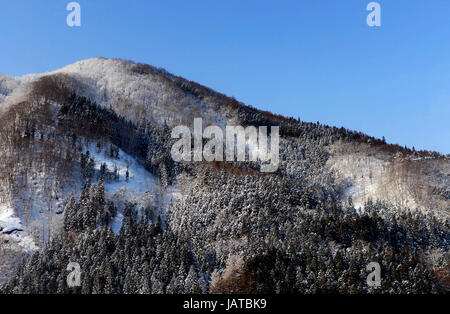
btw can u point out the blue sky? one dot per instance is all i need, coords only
(317, 60)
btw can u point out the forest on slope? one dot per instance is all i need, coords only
(234, 229)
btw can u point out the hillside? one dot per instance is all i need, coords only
(88, 177)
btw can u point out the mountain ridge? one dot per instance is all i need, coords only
(89, 132)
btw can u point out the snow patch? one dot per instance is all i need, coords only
(11, 228)
(141, 187)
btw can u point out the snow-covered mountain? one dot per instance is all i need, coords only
(135, 91)
(109, 120)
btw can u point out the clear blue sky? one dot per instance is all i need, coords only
(317, 59)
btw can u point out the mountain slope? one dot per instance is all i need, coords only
(87, 148)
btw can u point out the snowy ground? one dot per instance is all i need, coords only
(11, 228)
(378, 175)
(142, 187)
